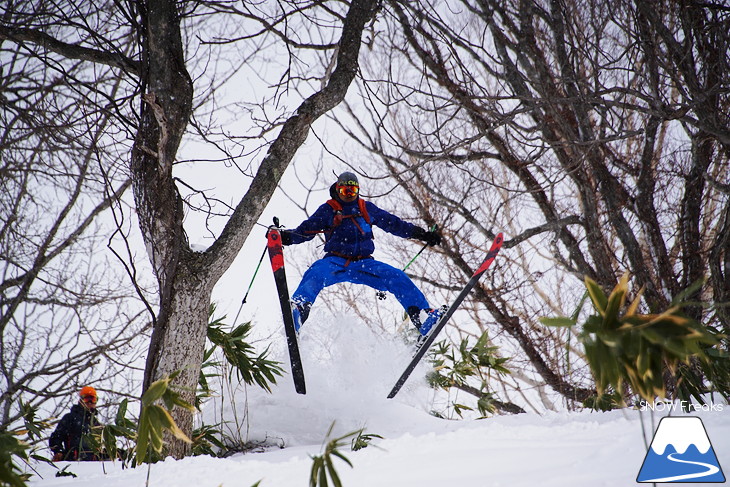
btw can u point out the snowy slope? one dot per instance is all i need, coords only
(554, 450)
(349, 372)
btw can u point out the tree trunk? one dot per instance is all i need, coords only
(186, 278)
(166, 109)
(178, 341)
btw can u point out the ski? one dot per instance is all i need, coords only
(426, 344)
(276, 254)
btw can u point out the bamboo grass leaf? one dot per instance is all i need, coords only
(559, 322)
(597, 296)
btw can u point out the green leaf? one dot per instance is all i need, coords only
(155, 391)
(597, 296)
(611, 315)
(593, 324)
(314, 474)
(333, 475)
(109, 441)
(687, 293)
(559, 322)
(121, 413)
(342, 457)
(634, 306)
(174, 399)
(143, 437)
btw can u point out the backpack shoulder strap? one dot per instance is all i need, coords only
(335, 204)
(337, 208)
(363, 210)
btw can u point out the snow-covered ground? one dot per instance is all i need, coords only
(349, 372)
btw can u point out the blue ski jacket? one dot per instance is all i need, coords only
(353, 237)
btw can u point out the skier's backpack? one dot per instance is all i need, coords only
(337, 220)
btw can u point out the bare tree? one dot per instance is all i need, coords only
(162, 95)
(594, 135)
(67, 313)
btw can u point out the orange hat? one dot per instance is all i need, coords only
(87, 391)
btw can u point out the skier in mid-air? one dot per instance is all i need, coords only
(346, 222)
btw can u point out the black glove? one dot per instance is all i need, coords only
(285, 237)
(431, 238)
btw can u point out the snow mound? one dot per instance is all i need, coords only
(349, 370)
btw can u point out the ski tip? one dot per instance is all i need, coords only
(493, 251)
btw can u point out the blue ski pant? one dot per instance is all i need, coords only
(370, 272)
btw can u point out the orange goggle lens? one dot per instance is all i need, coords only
(348, 191)
(89, 399)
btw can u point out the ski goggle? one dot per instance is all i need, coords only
(348, 191)
(89, 399)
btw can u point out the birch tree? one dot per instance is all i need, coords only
(148, 44)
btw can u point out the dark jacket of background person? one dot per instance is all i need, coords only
(68, 441)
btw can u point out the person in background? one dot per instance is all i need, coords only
(69, 441)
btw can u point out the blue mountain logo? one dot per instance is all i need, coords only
(681, 452)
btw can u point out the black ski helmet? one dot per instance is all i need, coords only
(347, 179)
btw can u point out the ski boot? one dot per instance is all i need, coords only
(433, 316)
(424, 319)
(300, 313)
